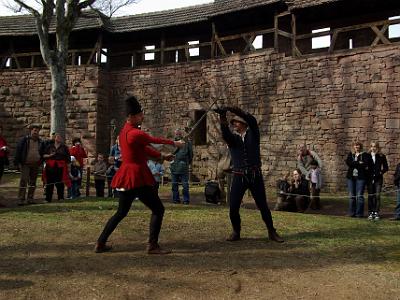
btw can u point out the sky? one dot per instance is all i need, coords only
(142, 6)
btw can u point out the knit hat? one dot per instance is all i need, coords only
(238, 119)
(133, 106)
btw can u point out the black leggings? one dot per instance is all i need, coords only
(256, 186)
(149, 197)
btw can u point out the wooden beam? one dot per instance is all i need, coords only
(295, 51)
(99, 49)
(276, 34)
(380, 36)
(93, 52)
(333, 41)
(162, 46)
(32, 61)
(212, 40)
(249, 43)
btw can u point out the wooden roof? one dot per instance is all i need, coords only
(25, 24)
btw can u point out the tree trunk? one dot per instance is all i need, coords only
(58, 94)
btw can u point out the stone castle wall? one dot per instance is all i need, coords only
(325, 101)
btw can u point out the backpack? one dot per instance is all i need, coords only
(212, 192)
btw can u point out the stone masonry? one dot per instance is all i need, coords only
(325, 101)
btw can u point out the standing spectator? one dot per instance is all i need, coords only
(111, 170)
(299, 191)
(360, 166)
(244, 146)
(56, 173)
(99, 171)
(3, 153)
(304, 160)
(75, 175)
(375, 182)
(315, 185)
(27, 159)
(180, 169)
(116, 153)
(157, 170)
(80, 154)
(396, 216)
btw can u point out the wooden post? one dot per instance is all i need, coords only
(87, 181)
(294, 29)
(162, 46)
(213, 40)
(276, 36)
(99, 47)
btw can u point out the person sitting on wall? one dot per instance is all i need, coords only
(283, 187)
(299, 192)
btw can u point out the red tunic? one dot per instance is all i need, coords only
(135, 149)
(2, 144)
(79, 153)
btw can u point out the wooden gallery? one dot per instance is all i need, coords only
(318, 72)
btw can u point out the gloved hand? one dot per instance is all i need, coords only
(221, 111)
(236, 110)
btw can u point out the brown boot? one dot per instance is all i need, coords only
(101, 247)
(233, 237)
(154, 248)
(274, 236)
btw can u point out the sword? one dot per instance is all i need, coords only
(186, 137)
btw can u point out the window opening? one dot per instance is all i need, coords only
(258, 42)
(394, 29)
(149, 56)
(194, 51)
(321, 41)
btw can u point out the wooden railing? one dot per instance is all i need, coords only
(215, 47)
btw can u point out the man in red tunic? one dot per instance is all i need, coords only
(134, 179)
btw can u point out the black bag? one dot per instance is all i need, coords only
(212, 192)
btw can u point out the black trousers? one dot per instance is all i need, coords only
(148, 195)
(99, 185)
(374, 195)
(54, 176)
(239, 186)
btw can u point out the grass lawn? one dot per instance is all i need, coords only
(46, 252)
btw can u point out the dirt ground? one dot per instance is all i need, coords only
(50, 256)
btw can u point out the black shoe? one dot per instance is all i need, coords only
(100, 248)
(233, 237)
(176, 201)
(274, 236)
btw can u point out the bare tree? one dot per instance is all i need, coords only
(58, 17)
(110, 7)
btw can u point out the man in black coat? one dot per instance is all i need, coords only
(244, 146)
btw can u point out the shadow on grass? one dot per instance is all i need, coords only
(14, 284)
(301, 251)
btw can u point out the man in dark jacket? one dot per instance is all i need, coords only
(180, 169)
(244, 146)
(27, 159)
